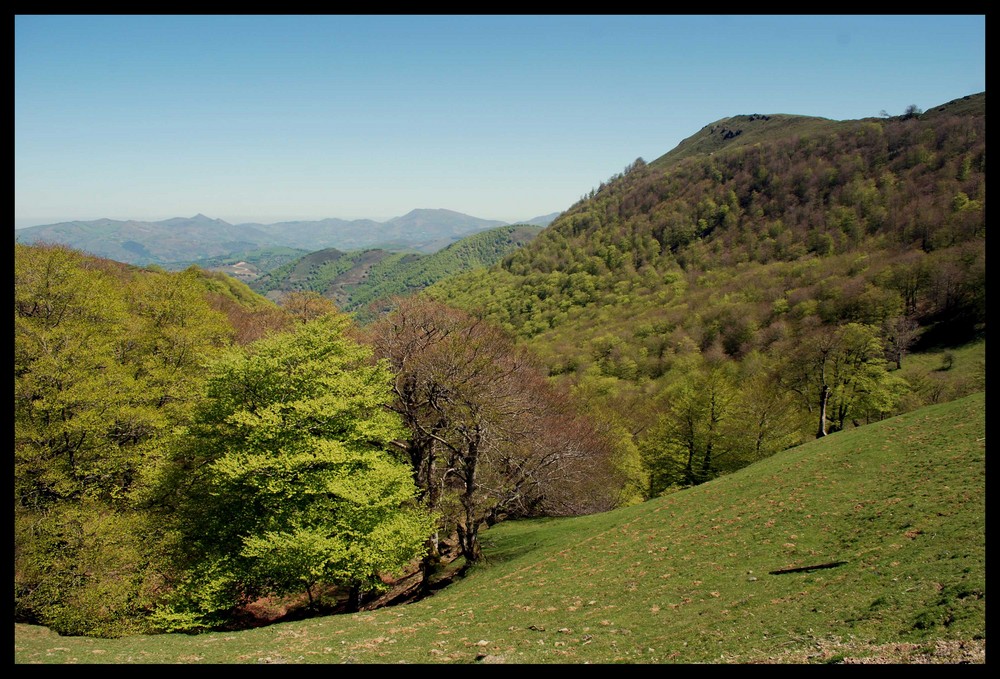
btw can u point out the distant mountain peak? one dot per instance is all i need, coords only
(204, 218)
(430, 210)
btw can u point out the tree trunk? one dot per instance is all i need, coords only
(691, 450)
(713, 421)
(706, 462)
(468, 533)
(824, 396)
(468, 540)
(429, 564)
(354, 598)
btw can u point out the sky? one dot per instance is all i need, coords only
(268, 118)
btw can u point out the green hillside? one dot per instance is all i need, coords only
(737, 256)
(743, 130)
(247, 266)
(403, 275)
(330, 273)
(865, 547)
(356, 279)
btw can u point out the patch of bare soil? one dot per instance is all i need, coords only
(943, 652)
(960, 652)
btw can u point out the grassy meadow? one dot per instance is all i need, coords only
(892, 515)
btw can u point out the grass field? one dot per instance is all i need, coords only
(891, 515)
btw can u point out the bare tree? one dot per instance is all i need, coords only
(899, 334)
(489, 437)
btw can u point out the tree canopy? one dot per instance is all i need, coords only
(488, 436)
(285, 475)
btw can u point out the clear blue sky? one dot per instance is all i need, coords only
(270, 118)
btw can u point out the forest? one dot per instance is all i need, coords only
(185, 447)
(715, 307)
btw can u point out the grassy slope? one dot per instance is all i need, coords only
(752, 130)
(685, 578)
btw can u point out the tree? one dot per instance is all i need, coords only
(106, 360)
(766, 419)
(285, 478)
(305, 306)
(685, 446)
(842, 374)
(487, 436)
(900, 333)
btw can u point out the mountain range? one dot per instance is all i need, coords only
(200, 237)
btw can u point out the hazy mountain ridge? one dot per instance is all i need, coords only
(542, 220)
(184, 240)
(143, 243)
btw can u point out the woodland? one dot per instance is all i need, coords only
(185, 447)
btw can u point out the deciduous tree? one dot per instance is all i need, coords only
(286, 478)
(106, 360)
(487, 436)
(840, 373)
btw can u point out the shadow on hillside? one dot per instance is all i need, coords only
(949, 333)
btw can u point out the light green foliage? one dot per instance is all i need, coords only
(68, 383)
(615, 406)
(716, 417)
(767, 420)
(106, 359)
(406, 273)
(85, 570)
(100, 369)
(861, 384)
(226, 286)
(288, 485)
(842, 376)
(693, 435)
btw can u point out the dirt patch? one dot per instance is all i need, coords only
(956, 652)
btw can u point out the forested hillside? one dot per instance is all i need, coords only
(354, 280)
(246, 266)
(108, 360)
(757, 286)
(185, 448)
(407, 275)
